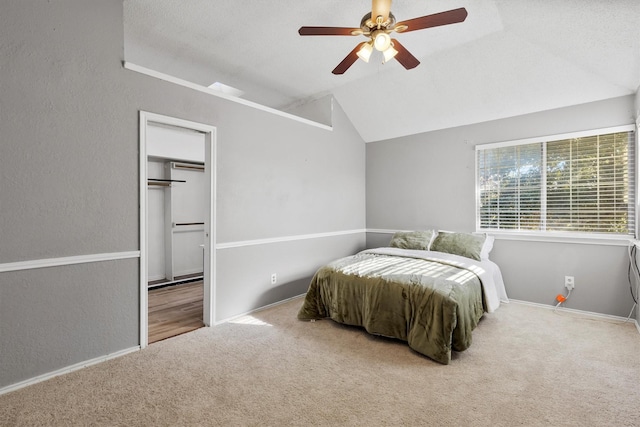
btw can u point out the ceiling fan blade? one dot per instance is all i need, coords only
(435, 20)
(404, 57)
(380, 8)
(348, 60)
(328, 31)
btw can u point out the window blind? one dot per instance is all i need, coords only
(583, 184)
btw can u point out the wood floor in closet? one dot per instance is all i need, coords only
(175, 310)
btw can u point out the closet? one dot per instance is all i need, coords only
(176, 204)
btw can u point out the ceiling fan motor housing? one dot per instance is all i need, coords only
(367, 24)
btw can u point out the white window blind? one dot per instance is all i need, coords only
(579, 184)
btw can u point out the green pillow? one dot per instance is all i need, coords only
(412, 240)
(463, 244)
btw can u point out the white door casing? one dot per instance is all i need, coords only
(209, 132)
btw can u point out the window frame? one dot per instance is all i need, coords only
(558, 236)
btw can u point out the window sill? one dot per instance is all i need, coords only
(562, 238)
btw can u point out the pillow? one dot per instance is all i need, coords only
(463, 244)
(487, 246)
(412, 240)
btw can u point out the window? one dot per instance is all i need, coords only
(579, 183)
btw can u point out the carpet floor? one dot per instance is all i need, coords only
(527, 366)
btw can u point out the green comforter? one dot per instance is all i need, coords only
(431, 305)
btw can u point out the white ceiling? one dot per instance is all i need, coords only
(510, 57)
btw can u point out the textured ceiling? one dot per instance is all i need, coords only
(509, 57)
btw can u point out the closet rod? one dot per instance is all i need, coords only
(178, 224)
(165, 180)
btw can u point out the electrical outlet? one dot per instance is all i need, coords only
(274, 279)
(569, 282)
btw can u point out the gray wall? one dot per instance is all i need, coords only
(294, 263)
(428, 181)
(69, 158)
(51, 318)
(69, 150)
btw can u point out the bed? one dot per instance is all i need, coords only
(429, 291)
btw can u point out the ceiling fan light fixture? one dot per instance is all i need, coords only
(389, 54)
(365, 51)
(381, 40)
(377, 26)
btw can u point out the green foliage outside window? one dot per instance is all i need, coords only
(583, 184)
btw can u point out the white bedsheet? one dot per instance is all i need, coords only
(487, 270)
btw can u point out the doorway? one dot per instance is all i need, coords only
(150, 148)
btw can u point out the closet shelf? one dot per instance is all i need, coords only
(187, 166)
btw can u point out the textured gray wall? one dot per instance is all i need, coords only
(69, 186)
(294, 263)
(55, 317)
(428, 181)
(69, 150)
(69, 158)
(275, 178)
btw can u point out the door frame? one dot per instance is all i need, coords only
(208, 315)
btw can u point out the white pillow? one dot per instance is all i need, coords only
(487, 246)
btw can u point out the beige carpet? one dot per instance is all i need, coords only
(527, 366)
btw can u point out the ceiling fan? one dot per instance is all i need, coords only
(377, 25)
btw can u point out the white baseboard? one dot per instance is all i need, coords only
(187, 272)
(68, 369)
(248, 313)
(590, 314)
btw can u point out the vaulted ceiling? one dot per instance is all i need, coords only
(509, 57)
